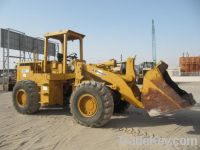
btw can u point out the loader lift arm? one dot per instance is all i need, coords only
(157, 93)
(116, 81)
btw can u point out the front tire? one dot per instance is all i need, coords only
(26, 97)
(92, 104)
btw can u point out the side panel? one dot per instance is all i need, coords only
(56, 92)
(50, 85)
(23, 72)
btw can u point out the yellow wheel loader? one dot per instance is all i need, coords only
(95, 90)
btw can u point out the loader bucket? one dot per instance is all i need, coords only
(160, 95)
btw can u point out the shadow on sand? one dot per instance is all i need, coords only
(186, 117)
(139, 118)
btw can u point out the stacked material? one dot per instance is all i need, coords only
(189, 65)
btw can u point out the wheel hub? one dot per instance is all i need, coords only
(21, 98)
(87, 105)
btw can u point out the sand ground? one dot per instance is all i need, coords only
(55, 128)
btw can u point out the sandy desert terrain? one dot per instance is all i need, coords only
(55, 129)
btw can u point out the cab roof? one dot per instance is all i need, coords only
(71, 35)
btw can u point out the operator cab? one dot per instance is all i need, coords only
(62, 56)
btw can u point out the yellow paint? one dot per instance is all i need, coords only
(154, 81)
(51, 76)
(87, 105)
(21, 98)
(118, 81)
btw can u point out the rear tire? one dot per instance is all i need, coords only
(26, 97)
(102, 108)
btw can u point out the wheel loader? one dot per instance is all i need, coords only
(95, 91)
(142, 70)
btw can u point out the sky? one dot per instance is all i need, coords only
(113, 27)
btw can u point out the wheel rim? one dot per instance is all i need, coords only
(21, 98)
(87, 105)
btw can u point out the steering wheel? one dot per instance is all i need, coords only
(72, 56)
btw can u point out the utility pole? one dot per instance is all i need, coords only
(153, 43)
(121, 57)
